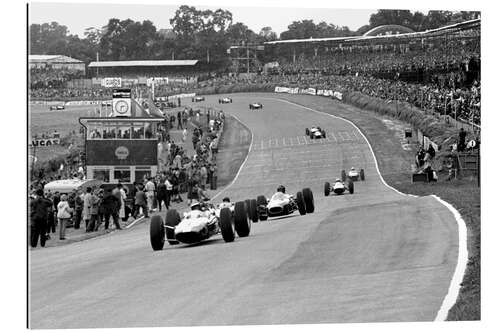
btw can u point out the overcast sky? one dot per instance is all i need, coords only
(79, 16)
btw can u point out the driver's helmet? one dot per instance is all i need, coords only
(281, 188)
(226, 199)
(352, 169)
(337, 180)
(195, 205)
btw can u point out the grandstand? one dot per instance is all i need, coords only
(143, 68)
(55, 62)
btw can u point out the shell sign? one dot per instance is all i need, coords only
(121, 152)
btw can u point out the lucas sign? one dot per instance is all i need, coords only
(45, 142)
(111, 82)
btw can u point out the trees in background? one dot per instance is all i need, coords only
(205, 34)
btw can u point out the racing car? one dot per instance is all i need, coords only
(198, 99)
(255, 106)
(56, 107)
(353, 174)
(315, 132)
(200, 224)
(225, 100)
(284, 204)
(339, 187)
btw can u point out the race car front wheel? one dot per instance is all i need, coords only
(254, 216)
(241, 221)
(308, 200)
(301, 204)
(261, 204)
(226, 225)
(362, 174)
(350, 186)
(327, 189)
(157, 233)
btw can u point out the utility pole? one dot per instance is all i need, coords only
(97, 59)
(248, 60)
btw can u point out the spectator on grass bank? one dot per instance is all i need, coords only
(63, 215)
(150, 194)
(462, 134)
(39, 211)
(94, 212)
(162, 194)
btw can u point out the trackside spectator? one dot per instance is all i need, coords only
(63, 215)
(39, 210)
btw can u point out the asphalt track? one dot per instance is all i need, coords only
(374, 256)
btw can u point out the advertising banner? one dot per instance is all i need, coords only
(121, 152)
(45, 142)
(311, 91)
(337, 95)
(157, 81)
(111, 82)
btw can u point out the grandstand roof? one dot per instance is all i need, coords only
(56, 58)
(143, 63)
(457, 26)
(309, 40)
(388, 29)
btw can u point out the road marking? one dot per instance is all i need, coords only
(134, 222)
(452, 295)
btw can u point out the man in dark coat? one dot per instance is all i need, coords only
(39, 211)
(161, 194)
(111, 206)
(141, 201)
(461, 139)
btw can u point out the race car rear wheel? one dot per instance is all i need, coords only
(247, 205)
(261, 202)
(308, 200)
(301, 204)
(350, 186)
(307, 131)
(311, 135)
(172, 220)
(323, 133)
(157, 233)
(343, 175)
(226, 225)
(327, 189)
(254, 216)
(362, 174)
(241, 222)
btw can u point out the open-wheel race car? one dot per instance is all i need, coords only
(315, 132)
(353, 174)
(339, 187)
(198, 99)
(201, 223)
(255, 106)
(225, 100)
(284, 204)
(57, 107)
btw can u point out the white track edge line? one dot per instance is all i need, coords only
(134, 222)
(454, 289)
(242, 164)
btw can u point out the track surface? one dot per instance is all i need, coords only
(369, 257)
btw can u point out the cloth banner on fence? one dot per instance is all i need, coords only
(173, 97)
(293, 90)
(281, 89)
(337, 95)
(311, 91)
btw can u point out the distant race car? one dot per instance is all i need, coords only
(284, 204)
(255, 106)
(353, 174)
(225, 100)
(315, 132)
(57, 107)
(198, 225)
(198, 99)
(339, 187)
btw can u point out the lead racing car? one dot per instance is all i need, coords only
(315, 132)
(57, 107)
(353, 174)
(339, 187)
(255, 106)
(225, 100)
(198, 99)
(282, 203)
(202, 222)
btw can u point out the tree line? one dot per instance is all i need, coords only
(205, 34)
